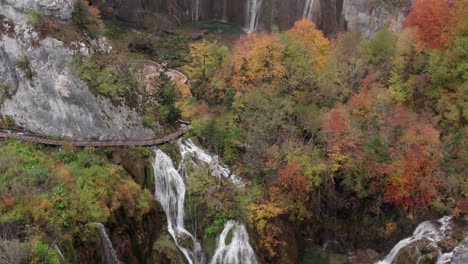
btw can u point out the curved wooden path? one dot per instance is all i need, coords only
(116, 143)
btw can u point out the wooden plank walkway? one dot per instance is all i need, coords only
(112, 143)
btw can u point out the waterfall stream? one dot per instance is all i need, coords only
(170, 191)
(238, 250)
(425, 230)
(253, 9)
(109, 252)
(309, 9)
(195, 10)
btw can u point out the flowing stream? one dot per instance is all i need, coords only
(109, 252)
(253, 9)
(309, 9)
(428, 231)
(170, 191)
(238, 250)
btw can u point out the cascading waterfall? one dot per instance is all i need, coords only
(238, 250)
(57, 249)
(170, 192)
(309, 10)
(424, 230)
(189, 150)
(109, 252)
(225, 6)
(195, 10)
(253, 9)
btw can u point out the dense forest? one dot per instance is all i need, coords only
(360, 138)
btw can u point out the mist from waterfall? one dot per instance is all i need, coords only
(109, 252)
(309, 10)
(238, 250)
(253, 10)
(170, 192)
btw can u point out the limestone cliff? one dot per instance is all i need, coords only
(42, 94)
(331, 16)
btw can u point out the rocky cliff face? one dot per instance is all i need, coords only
(330, 15)
(368, 19)
(41, 92)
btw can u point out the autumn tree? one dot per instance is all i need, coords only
(315, 46)
(87, 17)
(292, 190)
(340, 138)
(412, 185)
(431, 19)
(257, 59)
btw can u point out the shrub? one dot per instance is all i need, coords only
(25, 65)
(87, 18)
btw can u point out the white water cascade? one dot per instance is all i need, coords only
(170, 192)
(189, 150)
(253, 9)
(57, 249)
(309, 10)
(109, 252)
(238, 250)
(195, 10)
(425, 230)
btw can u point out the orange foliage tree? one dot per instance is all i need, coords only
(413, 185)
(432, 20)
(257, 59)
(340, 136)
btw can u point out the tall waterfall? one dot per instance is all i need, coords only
(309, 9)
(425, 230)
(253, 9)
(109, 252)
(225, 7)
(238, 250)
(195, 10)
(170, 192)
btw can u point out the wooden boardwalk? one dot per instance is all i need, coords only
(111, 143)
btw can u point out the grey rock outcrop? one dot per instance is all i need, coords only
(17, 9)
(361, 17)
(43, 94)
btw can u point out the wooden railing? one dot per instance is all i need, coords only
(111, 143)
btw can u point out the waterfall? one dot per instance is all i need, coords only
(57, 249)
(238, 250)
(424, 230)
(195, 10)
(189, 150)
(309, 10)
(109, 252)
(225, 7)
(170, 192)
(253, 8)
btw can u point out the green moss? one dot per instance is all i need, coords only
(25, 65)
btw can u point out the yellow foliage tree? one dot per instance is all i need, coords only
(315, 45)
